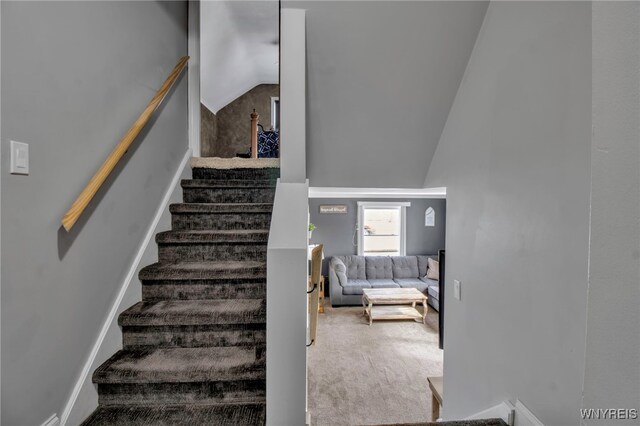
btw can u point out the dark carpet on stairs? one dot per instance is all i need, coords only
(194, 347)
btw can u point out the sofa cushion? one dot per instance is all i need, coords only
(434, 270)
(422, 265)
(405, 266)
(378, 267)
(355, 286)
(430, 283)
(434, 292)
(412, 283)
(433, 288)
(355, 267)
(384, 283)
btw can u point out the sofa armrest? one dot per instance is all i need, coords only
(337, 278)
(340, 270)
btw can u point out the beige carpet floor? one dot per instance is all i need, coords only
(372, 375)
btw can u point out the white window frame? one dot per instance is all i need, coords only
(383, 205)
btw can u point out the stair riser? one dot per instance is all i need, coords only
(202, 290)
(192, 336)
(228, 195)
(210, 252)
(269, 174)
(180, 393)
(200, 221)
(238, 414)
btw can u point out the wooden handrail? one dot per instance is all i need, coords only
(87, 194)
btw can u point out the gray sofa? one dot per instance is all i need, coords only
(348, 275)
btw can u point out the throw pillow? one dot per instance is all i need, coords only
(433, 270)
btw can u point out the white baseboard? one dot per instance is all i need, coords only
(52, 421)
(524, 416)
(115, 308)
(503, 411)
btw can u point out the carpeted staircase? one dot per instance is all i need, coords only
(194, 347)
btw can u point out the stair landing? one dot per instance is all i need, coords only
(234, 163)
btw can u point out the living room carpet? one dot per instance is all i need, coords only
(372, 375)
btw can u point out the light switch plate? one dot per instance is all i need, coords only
(19, 158)
(456, 289)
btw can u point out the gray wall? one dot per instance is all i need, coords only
(515, 158)
(612, 370)
(336, 231)
(381, 77)
(74, 77)
(87, 399)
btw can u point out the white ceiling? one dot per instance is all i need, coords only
(238, 48)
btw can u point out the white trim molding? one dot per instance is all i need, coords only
(504, 411)
(383, 204)
(524, 416)
(339, 192)
(52, 421)
(111, 319)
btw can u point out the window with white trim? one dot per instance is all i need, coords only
(382, 228)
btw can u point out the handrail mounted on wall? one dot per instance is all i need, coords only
(87, 194)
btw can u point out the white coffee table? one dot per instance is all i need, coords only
(393, 301)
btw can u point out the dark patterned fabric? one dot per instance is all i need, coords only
(268, 144)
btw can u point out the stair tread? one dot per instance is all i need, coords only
(194, 312)
(194, 348)
(227, 183)
(213, 236)
(242, 414)
(204, 270)
(221, 208)
(181, 365)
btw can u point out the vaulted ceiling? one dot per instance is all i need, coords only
(381, 79)
(238, 48)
